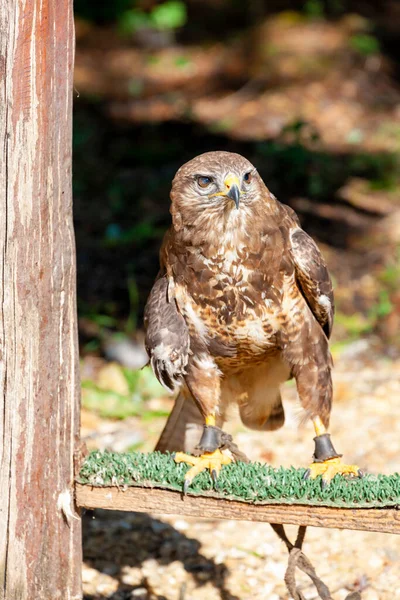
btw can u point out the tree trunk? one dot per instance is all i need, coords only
(40, 546)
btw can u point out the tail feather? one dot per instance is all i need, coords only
(184, 426)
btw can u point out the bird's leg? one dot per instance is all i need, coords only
(212, 458)
(326, 461)
(314, 386)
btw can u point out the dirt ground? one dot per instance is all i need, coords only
(172, 558)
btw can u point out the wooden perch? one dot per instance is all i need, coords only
(144, 499)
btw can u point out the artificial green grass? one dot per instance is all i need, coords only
(254, 482)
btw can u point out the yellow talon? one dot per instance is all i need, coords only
(331, 467)
(214, 461)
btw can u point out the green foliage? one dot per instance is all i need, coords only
(382, 308)
(355, 325)
(314, 9)
(319, 9)
(364, 43)
(109, 404)
(222, 125)
(97, 313)
(390, 276)
(355, 136)
(167, 16)
(253, 482)
(182, 62)
(133, 20)
(337, 348)
(389, 131)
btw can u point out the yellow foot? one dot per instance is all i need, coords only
(329, 468)
(213, 461)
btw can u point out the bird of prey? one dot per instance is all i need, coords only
(243, 302)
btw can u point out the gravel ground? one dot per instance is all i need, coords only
(148, 557)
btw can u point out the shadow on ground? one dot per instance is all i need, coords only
(115, 542)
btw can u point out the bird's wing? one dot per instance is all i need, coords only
(312, 277)
(167, 336)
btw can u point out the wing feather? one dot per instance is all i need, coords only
(167, 336)
(313, 278)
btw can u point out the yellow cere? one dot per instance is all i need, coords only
(231, 180)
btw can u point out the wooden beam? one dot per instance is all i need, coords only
(137, 499)
(40, 530)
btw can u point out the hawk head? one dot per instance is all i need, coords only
(216, 192)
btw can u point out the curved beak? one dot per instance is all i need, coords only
(232, 186)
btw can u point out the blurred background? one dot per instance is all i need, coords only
(309, 91)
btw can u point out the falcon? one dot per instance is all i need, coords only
(243, 302)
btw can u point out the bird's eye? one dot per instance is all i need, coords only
(248, 177)
(204, 181)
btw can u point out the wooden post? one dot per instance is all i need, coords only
(40, 545)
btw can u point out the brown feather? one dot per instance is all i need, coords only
(313, 278)
(167, 336)
(183, 428)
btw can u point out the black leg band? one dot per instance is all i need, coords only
(324, 449)
(214, 438)
(211, 439)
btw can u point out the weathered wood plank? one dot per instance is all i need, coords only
(40, 551)
(173, 503)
